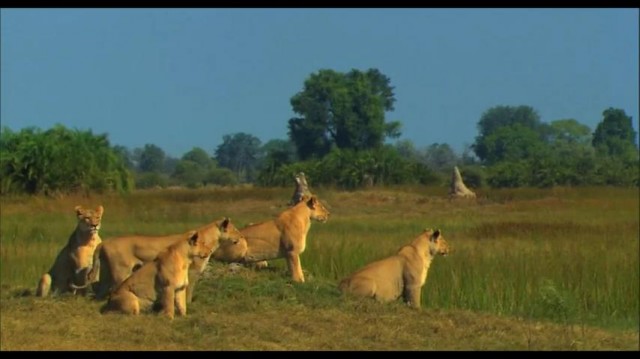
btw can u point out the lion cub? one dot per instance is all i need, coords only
(71, 266)
(163, 281)
(402, 274)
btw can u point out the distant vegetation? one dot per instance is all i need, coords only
(341, 139)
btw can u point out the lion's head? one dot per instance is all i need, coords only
(318, 211)
(89, 220)
(437, 243)
(198, 247)
(229, 234)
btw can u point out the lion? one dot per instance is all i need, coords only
(71, 266)
(162, 282)
(282, 237)
(402, 274)
(116, 258)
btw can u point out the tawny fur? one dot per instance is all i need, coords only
(402, 274)
(282, 237)
(162, 282)
(69, 272)
(115, 259)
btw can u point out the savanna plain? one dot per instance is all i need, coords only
(529, 269)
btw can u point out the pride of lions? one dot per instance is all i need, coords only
(142, 273)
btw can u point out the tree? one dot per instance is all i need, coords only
(406, 149)
(240, 153)
(569, 131)
(468, 156)
(342, 110)
(440, 157)
(151, 159)
(509, 174)
(199, 156)
(192, 169)
(615, 135)
(511, 143)
(189, 173)
(125, 155)
(169, 164)
(570, 156)
(497, 119)
(279, 151)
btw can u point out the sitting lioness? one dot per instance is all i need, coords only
(402, 274)
(70, 269)
(162, 282)
(115, 259)
(282, 237)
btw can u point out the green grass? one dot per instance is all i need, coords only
(564, 259)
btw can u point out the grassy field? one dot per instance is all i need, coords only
(530, 269)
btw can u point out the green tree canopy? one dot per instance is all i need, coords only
(407, 150)
(125, 155)
(193, 168)
(199, 156)
(569, 131)
(279, 151)
(151, 159)
(496, 120)
(346, 110)
(511, 143)
(239, 152)
(440, 157)
(615, 135)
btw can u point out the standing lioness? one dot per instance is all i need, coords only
(115, 259)
(69, 271)
(283, 237)
(163, 281)
(402, 274)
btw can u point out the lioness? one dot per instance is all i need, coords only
(284, 236)
(69, 270)
(401, 274)
(115, 259)
(163, 281)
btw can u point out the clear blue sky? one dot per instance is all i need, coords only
(180, 78)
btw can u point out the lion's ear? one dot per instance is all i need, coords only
(100, 210)
(305, 198)
(435, 235)
(79, 210)
(311, 201)
(225, 223)
(193, 237)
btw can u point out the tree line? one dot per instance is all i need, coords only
(340, 137)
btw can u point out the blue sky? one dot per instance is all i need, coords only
(181, 78)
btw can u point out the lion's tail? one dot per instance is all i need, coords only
(95, 267)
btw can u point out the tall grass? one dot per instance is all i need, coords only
(566, 254)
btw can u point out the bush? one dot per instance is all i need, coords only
(509, 174)
(60, 160)
(151, 180)
(473, 176)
